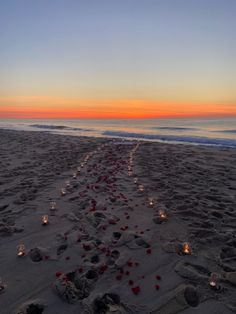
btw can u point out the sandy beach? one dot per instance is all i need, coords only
(131, 227)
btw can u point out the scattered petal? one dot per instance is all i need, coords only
(136, 290)
(58, 273)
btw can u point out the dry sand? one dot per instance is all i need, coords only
(106, 250)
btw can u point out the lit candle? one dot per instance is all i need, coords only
(82, 165)
(130, 173)
(68, 184)
(162, 214)
(213, 280)
(45, 220)
(20, 250)
(63, 191)
(74, 175)
(53, 205)
(135, 180)
(186, 249)
(150, 201)
(129, 168)
(141, 188)
(78, 169)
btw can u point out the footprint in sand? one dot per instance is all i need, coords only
(114, 255)
(95, 259)
(61, 248)
(32, 307)
(116, 235)
(38, 254)
(141, 242)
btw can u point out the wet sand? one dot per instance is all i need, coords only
(106, 249)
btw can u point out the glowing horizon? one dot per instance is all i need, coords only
(117, 59)
(56, 107)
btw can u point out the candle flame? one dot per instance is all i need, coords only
(186, 248)
(45, 219)
(21, 250)
(53, 205)
(63, 191)
(213, 280)
(162, 214)
(141, 188)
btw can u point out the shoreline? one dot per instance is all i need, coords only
(223, 143)
(105, 232)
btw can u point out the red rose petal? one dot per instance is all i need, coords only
(58, 273)
(136, 290)
(148, 251)
(103, 268)
(158, 277)
(157, 287)
(131, 282)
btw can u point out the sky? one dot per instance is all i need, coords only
(117, 58)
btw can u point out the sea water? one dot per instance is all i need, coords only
(204, 131)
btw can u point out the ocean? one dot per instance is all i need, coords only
(198, 131)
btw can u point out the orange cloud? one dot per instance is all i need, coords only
(58, 107)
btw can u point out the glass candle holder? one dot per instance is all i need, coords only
(74, 175)
(213, 280)
(20, 250)
(162, 214)
(63, 191)
(150, 202)
(141, 188)
(78, 169)
(67, 183)
(186, 249)
(135, 180)
(45, 220)
(53, 205)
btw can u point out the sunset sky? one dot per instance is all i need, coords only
(117, 58)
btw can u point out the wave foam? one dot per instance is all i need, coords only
(175, 138)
